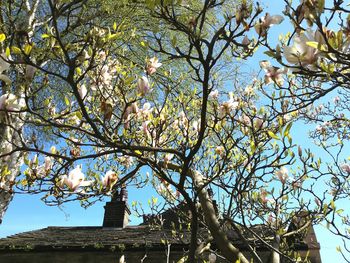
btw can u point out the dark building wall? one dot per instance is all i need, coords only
(88, 257)
(108, 257)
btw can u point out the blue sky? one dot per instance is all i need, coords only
(29, 212)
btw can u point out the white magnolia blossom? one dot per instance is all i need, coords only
(258, 123)
(122, 259)
(266, 22)
(129, 111)
(308, 10)
(40, 171)
(220, 150)
(106, 76)
(11, 102)
(126, 160)
(166, 191)
(82, 91)
(226, 107)
(246, 41)
(143, 86)
(345, 167)
(168, 157)
(48, 163)
(282, 175)
(183, 121)
(109, 179)
(301, 53)
(272, 74)
(3, 67)
(75, 179)
(145, 111)
(144, 128)
(214, 94)
(152, 66)
(212, 258)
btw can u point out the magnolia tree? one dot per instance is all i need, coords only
(316, 54)
(184, 109)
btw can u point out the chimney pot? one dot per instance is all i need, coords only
(117, 210)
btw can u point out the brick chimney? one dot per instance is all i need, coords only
(117, 210)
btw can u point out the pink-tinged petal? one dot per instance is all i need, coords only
(214, 94)
(346, 168)
(143, 86)
(168, 157)
(152, 66)
(279, 79)
(260, 29)
(5, 78)
(82, 91)
(86, 183)
(264, 64)
(267, 80)
(212, 258)
(317, 201)
(290, 53)
(3, 64)
(245, 41)
(151, 70)
(276, 19)
(282, 175)
(48, 163)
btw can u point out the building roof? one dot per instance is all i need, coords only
(128, 238)
(92, 238)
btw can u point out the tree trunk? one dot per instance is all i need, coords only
(10, 164)
(229, 251)
(11, 124)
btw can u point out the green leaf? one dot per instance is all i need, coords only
(173, 41)
(47, 101)
(45, 36)
(114, 26)
(272, 135)
(78, 70)
(8, 52)
(16, 50)
(2, 37)
(113, 36)
(313, 44)
(27, 49)
(270, 54)
(287, 129)
(79, 115)
(66, 101)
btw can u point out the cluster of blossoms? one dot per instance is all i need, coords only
(100, 82)
(8, 101)
(40, 171)
(228, 106)
(309, 10)
(301, 53)
(225, 108)
(76, 180)
(273, 74)
(143, 84)
(266, 22)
